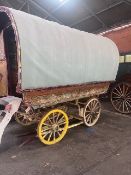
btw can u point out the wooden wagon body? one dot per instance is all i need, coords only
(50, 66)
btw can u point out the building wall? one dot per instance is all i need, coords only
(122, 37)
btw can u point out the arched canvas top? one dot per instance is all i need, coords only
(55, 55)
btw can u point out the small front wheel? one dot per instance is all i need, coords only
(25, 119)
(53, 127)
(92, 112)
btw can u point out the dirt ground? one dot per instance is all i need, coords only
(104, 149)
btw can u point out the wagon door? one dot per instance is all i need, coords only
(3, 69)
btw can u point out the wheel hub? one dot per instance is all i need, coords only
(123, 97)
(93, 114)
(55, 127)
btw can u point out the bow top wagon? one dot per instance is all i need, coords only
(57, 71)
(121, 90)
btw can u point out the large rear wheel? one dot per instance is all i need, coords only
(121, 98)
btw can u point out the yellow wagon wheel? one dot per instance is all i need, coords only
(53, 127)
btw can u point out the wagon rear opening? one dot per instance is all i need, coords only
(8, 57)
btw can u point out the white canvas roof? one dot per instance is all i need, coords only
(55, 55)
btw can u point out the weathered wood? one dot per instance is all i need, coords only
(49, 97)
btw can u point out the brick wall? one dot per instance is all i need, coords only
(122, 37)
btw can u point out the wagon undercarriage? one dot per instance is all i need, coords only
(56, 113)
(54, 122)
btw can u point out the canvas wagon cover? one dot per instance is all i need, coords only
(55, 55)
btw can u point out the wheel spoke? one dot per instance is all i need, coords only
(118, 92)
(98, 107)
(129, 104)
(120, 89)
(97, 112)
(87, 115)
(126, 92)
(120, 104)
(61, 120)
(58, 133)
(61, 129)
(95, 105)
(126, 106)
(119, 95)
(19, 116)
(58, 115)
(62, 123)
(116, 98)
(123, 106)
(88, 119)
(128, 95)
(50, 121)
(46, 124)
(45, 129)
(54, 135)
(53, 118)
(23, 119)
(49, 136)
(87, 112)
(116, 102)
(44, 134)
(89, 107)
